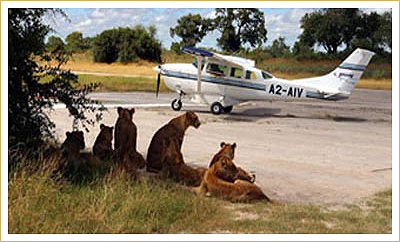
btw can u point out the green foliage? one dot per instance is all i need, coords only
(55, 44)
(191, 29)
(333, 27)
(375, 32)
(239, 26)
(75, 42)
(127, 45)
(28, 96)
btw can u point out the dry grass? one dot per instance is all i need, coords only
(114, 204)
(282, 68)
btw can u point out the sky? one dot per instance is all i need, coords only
(280, 22)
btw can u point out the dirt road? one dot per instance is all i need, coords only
(302, 151)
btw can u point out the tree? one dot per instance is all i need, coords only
(279, 48)
(191, 29)
(34, 88)
(75, 42)
(374, 32)
(127, 45)
(55, 44)
(239, 26)
(329, 28)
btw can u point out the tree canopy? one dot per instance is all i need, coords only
(238, 26)
(333, 27)
(33, 88)
(127, 45)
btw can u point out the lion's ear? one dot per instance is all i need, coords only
(67, 134)
(222, 144)
(132, 111)
(119, 109)
(102, 126)
(112, 127)
(234, 145)
(80, 133)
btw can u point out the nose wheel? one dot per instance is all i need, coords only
(176, 104)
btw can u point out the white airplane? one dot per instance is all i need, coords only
(222, 81)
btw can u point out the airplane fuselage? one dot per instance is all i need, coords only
(183, 77)
(222, 81)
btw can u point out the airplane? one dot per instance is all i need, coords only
(222, 81)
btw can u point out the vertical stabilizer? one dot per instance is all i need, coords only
(350, 70)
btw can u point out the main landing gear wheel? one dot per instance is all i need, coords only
(216, 108)
(176, 104)
(227, 109)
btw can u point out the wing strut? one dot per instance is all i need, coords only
(199, 65)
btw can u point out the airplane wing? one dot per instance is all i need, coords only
(232, 60)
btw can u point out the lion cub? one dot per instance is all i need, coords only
(102, 147)
(222, 179)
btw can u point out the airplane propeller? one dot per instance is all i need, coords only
(158, 81)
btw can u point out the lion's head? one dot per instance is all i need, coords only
(125, 113)
(74, 141)
(222, 164)
(106, 133)
(192, 119)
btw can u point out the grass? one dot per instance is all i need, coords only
(115, 204)
(122, 84)
(377, 76)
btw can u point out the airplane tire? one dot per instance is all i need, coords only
(176, 104)
(216, 108)
(227, 109)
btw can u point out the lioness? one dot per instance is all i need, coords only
(174, 130)
(125, 152)
(221, 179)
(174, 166)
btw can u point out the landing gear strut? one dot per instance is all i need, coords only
(177, 103)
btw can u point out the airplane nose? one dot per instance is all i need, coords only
(157, 68)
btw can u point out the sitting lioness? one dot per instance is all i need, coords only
(221, 179)
(174, 166)
(125, 141)
(174, 130)
(102, 147)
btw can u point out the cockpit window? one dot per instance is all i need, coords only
(266, 75)
(251, 75)
(216, 69)
(236, 72)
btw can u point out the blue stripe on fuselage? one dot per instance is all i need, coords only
(227, 82)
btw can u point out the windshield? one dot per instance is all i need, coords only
(266, 75)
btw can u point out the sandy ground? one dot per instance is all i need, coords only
(315, 152)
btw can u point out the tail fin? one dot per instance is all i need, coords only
(339, 83)
(350, 70)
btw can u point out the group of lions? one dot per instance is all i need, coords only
(221, 179)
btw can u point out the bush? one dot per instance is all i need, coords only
(127, 45)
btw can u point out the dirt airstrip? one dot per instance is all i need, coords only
(315, 152)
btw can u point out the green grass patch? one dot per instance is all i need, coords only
(121, 84)
(114, 204)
